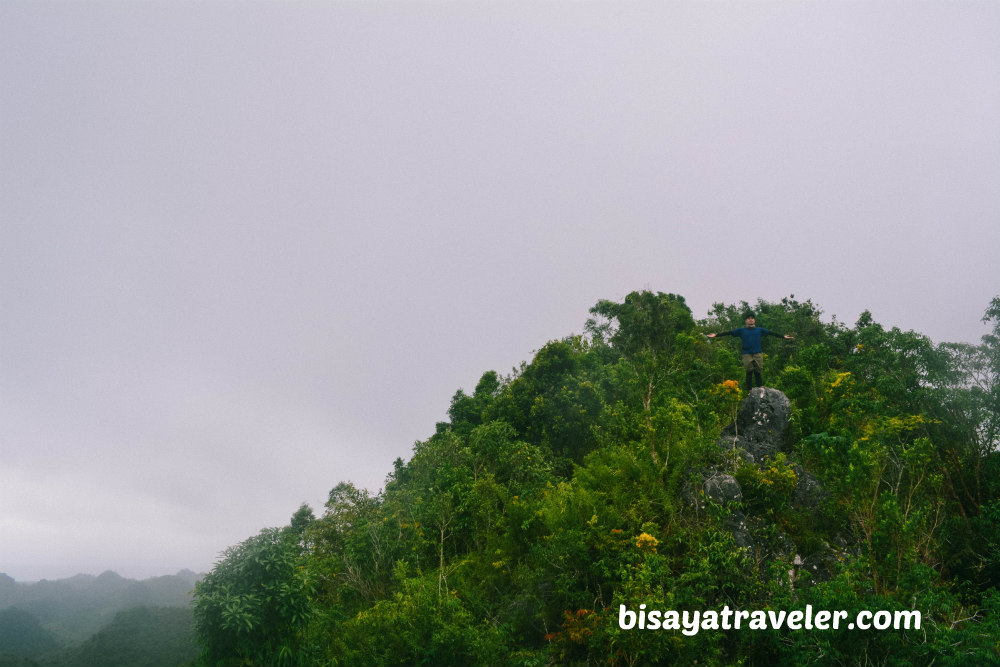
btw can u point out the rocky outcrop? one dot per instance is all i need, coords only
(762, 424)
(722, 488)
(761, 431)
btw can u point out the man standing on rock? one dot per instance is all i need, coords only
(753, 353)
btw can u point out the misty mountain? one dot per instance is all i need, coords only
(75, 608)
(138, 637)
(97, 620)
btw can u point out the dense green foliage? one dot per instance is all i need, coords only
(573, 486)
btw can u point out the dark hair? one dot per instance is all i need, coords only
(749, 315)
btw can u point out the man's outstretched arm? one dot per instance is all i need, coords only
(774, 333)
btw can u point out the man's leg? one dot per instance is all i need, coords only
(758, 369)
(748, 367)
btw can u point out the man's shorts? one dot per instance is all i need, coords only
(753, 362)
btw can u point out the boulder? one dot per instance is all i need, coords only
(723, 488)
(762, 424)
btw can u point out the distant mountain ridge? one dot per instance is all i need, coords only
(73, 609)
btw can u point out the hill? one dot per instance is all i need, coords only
(73, 609)
(571, 512)
(139, 637)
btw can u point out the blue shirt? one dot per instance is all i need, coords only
(751, 337)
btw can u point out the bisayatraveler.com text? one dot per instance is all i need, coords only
(690, 622)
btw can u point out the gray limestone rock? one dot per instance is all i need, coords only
(723, 488)
(737, 525)
(809, 493)
(762, 424)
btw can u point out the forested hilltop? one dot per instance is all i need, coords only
(594, 477)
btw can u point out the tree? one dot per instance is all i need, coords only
(466, 412)
(555, 401)
(644, 323)
(253, 607)
(651, 335)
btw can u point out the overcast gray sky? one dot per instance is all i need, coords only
(249, 250)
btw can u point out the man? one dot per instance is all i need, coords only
(753, 353)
